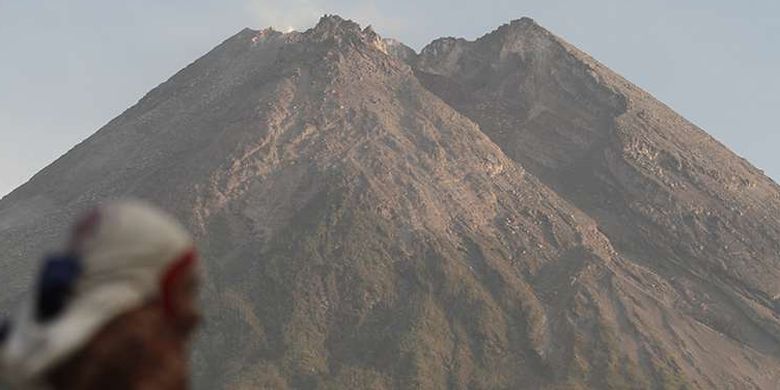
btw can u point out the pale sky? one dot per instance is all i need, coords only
(68, 67)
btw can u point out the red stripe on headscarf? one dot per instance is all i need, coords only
(174, 272)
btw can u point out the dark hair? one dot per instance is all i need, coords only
(5, 329)
(56, 284)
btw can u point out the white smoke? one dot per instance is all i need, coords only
(288, 15)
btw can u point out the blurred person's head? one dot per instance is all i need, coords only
(113, 310)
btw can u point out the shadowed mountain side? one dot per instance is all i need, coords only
(666, 194)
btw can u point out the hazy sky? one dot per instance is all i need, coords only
(67, 67)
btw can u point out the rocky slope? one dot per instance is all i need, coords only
(668, 196)
(503, 213)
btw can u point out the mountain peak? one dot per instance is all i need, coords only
(524, 21)
(334, 23)
(331, 26)
(522, 28)
(345, 31)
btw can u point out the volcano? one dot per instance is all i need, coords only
(498, 213)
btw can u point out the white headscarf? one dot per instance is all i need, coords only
(123, 256)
